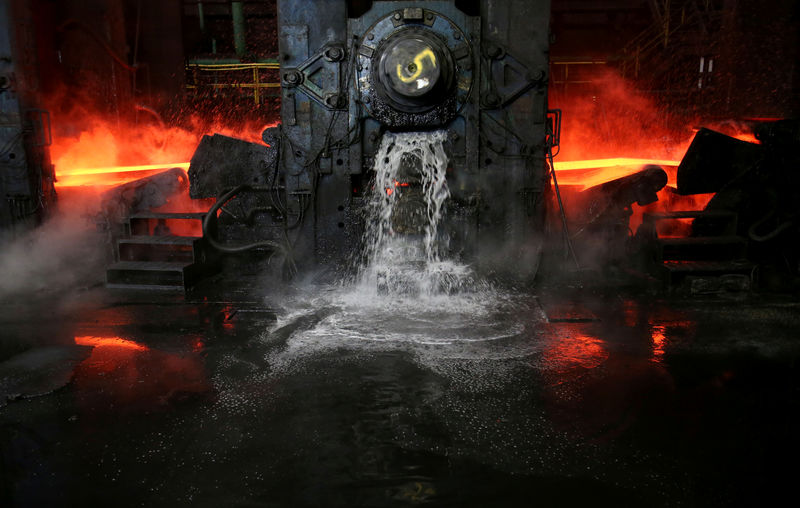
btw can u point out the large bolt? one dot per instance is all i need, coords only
(492, 99)
(292, 78)
(494, 51)
(334, 53)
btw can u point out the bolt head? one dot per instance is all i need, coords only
(292, 77)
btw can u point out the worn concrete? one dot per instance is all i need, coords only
(598, 398)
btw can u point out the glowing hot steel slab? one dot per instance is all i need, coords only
(590, 172)
(123, 169)
(609, 163)
(111, 175)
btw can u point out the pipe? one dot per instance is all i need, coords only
(239, 42)
(201, 17)
(212, 215)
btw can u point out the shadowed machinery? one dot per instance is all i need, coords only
(352, 73)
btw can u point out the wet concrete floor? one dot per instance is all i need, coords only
(598, 398)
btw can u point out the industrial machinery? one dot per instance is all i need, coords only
(351, 71)
(26, 174)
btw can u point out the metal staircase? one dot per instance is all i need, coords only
(713, 251)
(161, 251)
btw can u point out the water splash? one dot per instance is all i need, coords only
(404, 247)
(409, 294)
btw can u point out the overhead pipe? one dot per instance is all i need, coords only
(202, 17)
(239, 42)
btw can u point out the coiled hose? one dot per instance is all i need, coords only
(212, 214)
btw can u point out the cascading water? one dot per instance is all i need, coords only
(409, 294)
(403, 245)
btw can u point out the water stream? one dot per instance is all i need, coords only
(409, 294)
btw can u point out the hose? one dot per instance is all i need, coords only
(769, 236)
(751, 232)
(561, 210)
(212, 213)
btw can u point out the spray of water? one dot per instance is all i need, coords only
(404, 248)
(409, 294)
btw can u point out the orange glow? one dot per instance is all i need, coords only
(389, 190)
(130, 377)
(746, 136)
(107, 152)
(670, 201)
(610, 130)
(608, 163)
(115, 175)
(124, 169)
(89, 340)
(591, 172)
(576, 350)
(659, 341)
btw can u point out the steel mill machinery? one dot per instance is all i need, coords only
(353, 71)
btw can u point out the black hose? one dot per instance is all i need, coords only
(212, 213)
(751, 231)
(769, 236)
(561, 209)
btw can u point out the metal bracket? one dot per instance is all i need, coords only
(319, 77)
(508, 79)
(553, 139)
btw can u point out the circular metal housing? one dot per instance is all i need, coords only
(414, 73)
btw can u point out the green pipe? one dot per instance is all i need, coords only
(237, 10)
(202, 17)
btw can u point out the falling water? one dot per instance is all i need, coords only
(404, 248)
(410, 294)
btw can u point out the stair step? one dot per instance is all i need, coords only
(703, 223)
(176, 224)
(160, 240)
(708, 276)
(149, 273)
(700, 248)
(701, 240)
(708, 267)
(152, 266)
(689, 214)
(170, 215)
(160, 248)
(145, 287)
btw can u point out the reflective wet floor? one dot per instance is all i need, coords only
(558, 398)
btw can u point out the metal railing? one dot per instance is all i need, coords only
(216, 75)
